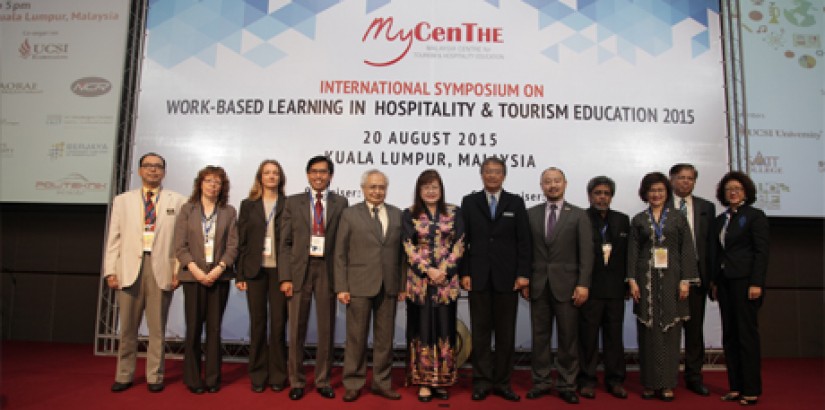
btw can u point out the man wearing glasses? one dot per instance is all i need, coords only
(139, 262)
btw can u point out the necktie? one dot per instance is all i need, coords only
(378, 225)
(683, 206)
(318, 220)
(493, 204)
(149, 211)
(551, 221)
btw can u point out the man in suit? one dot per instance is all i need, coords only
(604, 310)
(496, 267)
(307, 241)
(562, 267)
(140, 263)
(700, 214)
(368, 281)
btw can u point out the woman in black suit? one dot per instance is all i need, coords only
(258, 276)
(206, 245)
(740, 264)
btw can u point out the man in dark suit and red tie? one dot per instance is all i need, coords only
(496, 268)
(307, 246)
(700, 214)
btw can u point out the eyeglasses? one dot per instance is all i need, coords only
(213, 182)
(734, 189)
(153, 166)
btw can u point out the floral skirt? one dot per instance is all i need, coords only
(431, 337)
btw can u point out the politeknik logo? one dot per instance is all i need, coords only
(74, 183)
(382, 31)
(43, 51)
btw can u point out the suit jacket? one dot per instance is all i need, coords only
(124, 242)
(189, 240)
(608, 281)
(364, 261)
(703, 221)
(498, 246)
(296, 233)
(747, 242)
(566, 261)
(251, 235)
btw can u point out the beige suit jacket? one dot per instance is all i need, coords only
(124, 243)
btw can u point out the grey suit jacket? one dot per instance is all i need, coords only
(189, 240)
(296, 233)
(364, 261)
(567, 260)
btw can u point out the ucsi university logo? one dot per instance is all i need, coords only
(382, 30)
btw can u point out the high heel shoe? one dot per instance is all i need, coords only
(666, 395)
(425, 395)
(441, 394)
(731, 396)
(748, 401)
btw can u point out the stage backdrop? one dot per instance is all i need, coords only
(784, 89)
(618, 88)
(61, 70)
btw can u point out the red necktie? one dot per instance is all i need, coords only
(149, 211)
(318, 220)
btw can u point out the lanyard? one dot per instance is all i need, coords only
(658, 228)
(604, 233)
(271, 213)
(208, 223)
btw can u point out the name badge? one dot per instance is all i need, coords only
(606, 248)
(209, 250)
(660, 258)
(316, 246)
(148, 240)
(267, 246)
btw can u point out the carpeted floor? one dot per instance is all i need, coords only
(63, 376)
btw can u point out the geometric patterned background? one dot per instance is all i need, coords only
(183, 29)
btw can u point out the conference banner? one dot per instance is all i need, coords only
(61, 70)
(784, 82)
(617, 88)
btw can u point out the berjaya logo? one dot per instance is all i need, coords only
(73, 184)
(91, 86)
(382, 30)
(43, 51)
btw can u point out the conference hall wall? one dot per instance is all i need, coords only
(602, 87)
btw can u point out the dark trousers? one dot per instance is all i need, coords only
(267, 308)
(605, 316)
(203, 305)
(694, 335)
(740, 336)
(544, 310)
(316, 282)
(492, 311)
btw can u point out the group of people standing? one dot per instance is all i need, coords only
(575, 266)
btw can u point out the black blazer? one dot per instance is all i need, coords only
(608, 281)
(706, 237)
(251, 233)
(745, 254)
(498, 247)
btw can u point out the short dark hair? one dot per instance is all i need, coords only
(601, 180)
(152, 154)
(654, 178)
(494, 160)
(742, 178)
(321, 158)
(682, 166)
